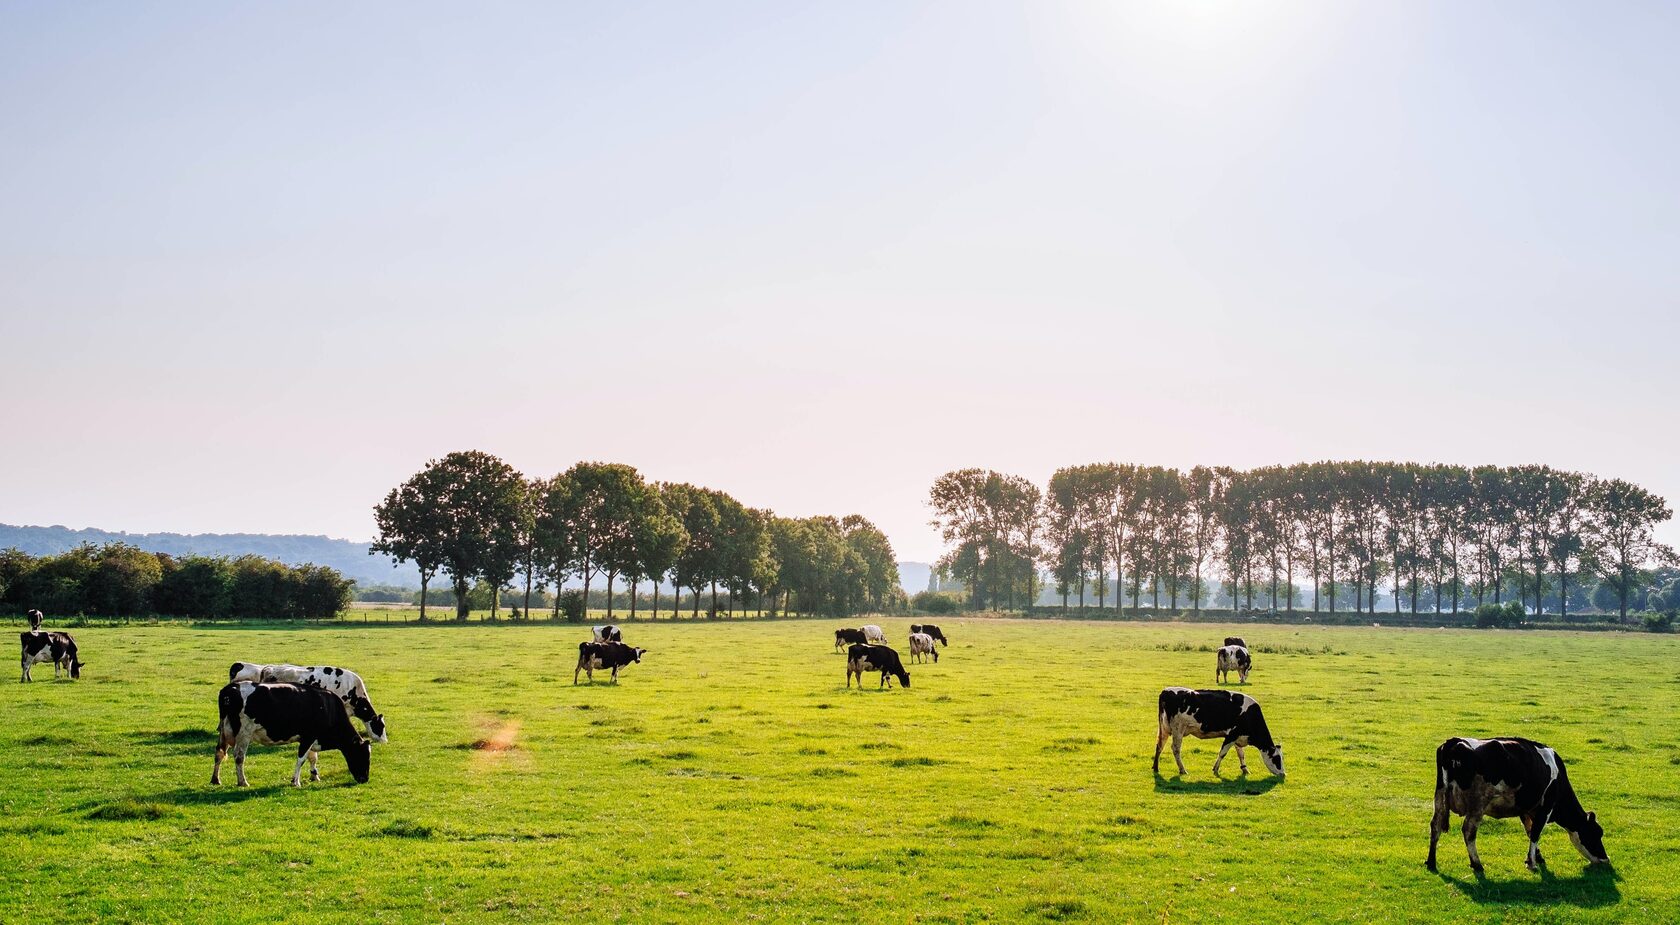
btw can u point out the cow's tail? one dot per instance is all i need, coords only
(1161, 710)
(228, 705)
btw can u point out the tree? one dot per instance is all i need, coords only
(1205, 488)
(1621, 520)
(597, 516)
(697, 560)
(122, 580)
(460, 514)
(552, 534)
(412, 526)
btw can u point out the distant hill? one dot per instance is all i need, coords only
(349, 558)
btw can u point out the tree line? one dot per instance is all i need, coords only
(119, 580)
(1440, 536)
(473, 519)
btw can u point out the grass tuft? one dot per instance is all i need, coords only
(125, 810)
(404, 828)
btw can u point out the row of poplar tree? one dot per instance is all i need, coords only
(472, 517)
(1440, 535)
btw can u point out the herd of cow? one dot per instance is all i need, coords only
(315, 707)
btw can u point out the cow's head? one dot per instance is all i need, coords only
(1273, 756)
(639, 654)
(1589, 840)
(363, 710)
(904, 677)
(359, 756)
(76, 667)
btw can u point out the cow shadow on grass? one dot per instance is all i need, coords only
(212, 795)
(1595, 886)
(1241, 785)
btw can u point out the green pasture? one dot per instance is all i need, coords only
(732, 777)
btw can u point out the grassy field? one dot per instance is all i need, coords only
(732, 777)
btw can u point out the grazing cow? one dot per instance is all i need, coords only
(1504, 778)
(341, 681)
(1232, 658)
(847, 637)
(608, 633)
(35, 618)
(861, 658)
(1211, 715)
(921, 646)
(272, 714)
(1235, 641)
(872, 633)
(54, 647)
(614, 655)
(931, 630)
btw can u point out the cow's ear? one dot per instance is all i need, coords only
(1592, 817)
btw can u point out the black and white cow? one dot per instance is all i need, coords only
(57, 648)
(873, 633)
(272, 714)
(1504, 778)
(1235, 641)
(35, 618)
(1232, 658)
(601, 655)
(861, 658)
(921, 646)
(848, 637)
(608, 633)
(345, 683)
(931, 630)
(1211, 715)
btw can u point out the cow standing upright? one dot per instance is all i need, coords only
(598, 655)
(861, 658)
(347, 684)
(608, 633)
(845, 637)
(1211, 715)
(931, 630)
(873, 633)
(272, 714)
(1232, 658)
(921, 646)
(1508, 777)
(58, 648)
(35, 618)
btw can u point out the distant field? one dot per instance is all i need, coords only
(732, 777)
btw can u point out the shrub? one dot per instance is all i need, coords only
(1660, 622)
(935, 602)
(1501, 616)
(571, 604)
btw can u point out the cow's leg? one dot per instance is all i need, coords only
(1241, 761)
(935, 655)
(1160, 740)
(314, 761)
(221, 752)
(1438, 824)
(1223, 748)
(615, 674)
(575, 674)
(25, 678)
(1178, 752)
(239, 749)
(1471, 824)
(1534, 827)
(303, 755)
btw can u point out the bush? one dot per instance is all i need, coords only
(935, 602)
(1500, 616)
(1660, 622)
(571, 604)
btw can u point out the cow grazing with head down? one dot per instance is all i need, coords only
(1504, 778)
(272, 714)
(848, 637)
(873, 633)
(1211, 715)
(343, 682)
(861, 658)
(35, 618)
(602, 655)
(931, 630)
(54, 647)
(1235, 641)
(608, 633)
(921, 646)
(1232, 658)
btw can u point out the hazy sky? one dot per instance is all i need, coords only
(258, 263)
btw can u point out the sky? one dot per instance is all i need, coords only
(260, 262)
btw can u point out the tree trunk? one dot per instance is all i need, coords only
(713, 614)
(633, 590)
(611, 575)
(460, 598)
(425, 579)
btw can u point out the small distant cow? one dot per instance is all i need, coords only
(1211, 715)
(345, 683)
(872, 633)
(608, 633)
(54, 647)
(1235, 641)
(273, 714)
(931, 630)
(921, 646)
(861, 658)
(1504, 778)
(35, 618)
(1232, 658)
(848, 637)
(604, 655)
